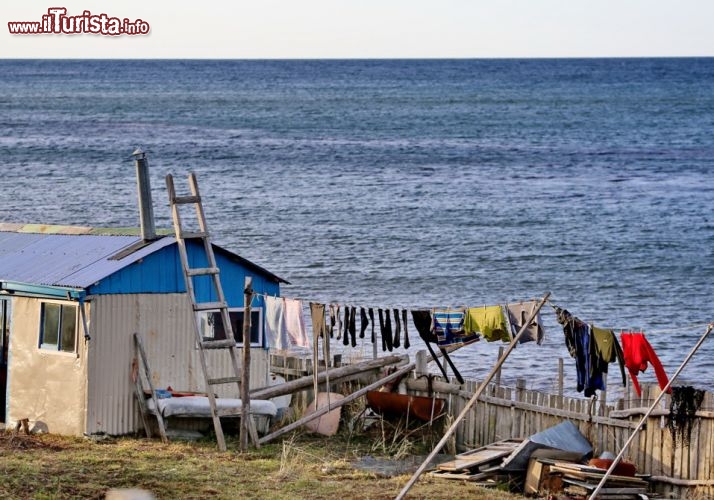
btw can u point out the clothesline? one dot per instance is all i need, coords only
(630, 328)
(400, 307)
(655, 331)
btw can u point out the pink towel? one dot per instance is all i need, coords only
(295, 323)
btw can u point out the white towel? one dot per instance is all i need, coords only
(275, 330)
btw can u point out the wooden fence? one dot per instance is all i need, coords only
(681, 469)
(678, 469)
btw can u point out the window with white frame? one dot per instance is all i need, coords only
(58, 327)
(211, 324)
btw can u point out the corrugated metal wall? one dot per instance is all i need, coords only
(165, 323)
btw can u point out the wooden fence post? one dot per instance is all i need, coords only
(245, 374)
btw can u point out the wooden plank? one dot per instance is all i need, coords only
(691, 460)
(706, 465)
(667, 452)
(141, 354)
(658, 412)
(657, 467)
(581, 472)
(335, 374)
(483, 457)
(463, 475)
(624, 490)
(642, 451)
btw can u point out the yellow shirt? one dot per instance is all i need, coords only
(488, 321)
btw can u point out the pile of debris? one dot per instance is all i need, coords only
(481, 464)
(582, 480)
(546, 464)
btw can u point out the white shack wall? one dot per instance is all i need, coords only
(166, 326)
(46, 387)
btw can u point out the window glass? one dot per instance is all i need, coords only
(50, 324)
(212, 326)
(69, 328)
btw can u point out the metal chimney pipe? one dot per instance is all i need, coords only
(146, 206)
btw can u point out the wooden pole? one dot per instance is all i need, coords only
(325, 409)
(619, 456)
(245, 374)
(472, 401)
(498, 373)
(334, 374)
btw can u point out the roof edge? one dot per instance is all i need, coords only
(11, 227)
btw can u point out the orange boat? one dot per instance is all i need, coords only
(398, 405)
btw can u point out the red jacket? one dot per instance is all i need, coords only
(637, 352)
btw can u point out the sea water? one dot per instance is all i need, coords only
(405, 183)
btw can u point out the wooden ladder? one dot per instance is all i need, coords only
(229, 343)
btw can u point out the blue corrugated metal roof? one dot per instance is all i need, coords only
(67, 259)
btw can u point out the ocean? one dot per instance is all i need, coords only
(405, 183)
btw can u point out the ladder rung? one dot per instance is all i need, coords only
(218, 344)
(200, 271)
(184, 200)
(209, 306)
(229, 412)
(188, 235)
(224, 380)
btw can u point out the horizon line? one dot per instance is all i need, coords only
(404, 58)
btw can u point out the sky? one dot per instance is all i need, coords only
(288, 29)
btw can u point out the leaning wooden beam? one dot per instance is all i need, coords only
(147, 372)
(325, 409)
(655, 413)
(619, 456)
(681, 482)
(334, 374)
(473, 399)
(446, 388)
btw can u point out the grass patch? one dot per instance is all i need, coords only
(299, 466)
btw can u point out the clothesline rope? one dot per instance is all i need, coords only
(384, 307)
(655, 331)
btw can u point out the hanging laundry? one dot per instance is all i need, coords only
(518, 314)
(424, 325)
(449, 328)
(352, 328)
(605, 349)
(578, 339)
(275, 331)
(489, 321)
(363, 322)
(568, 322)
(638, 352)
(406, 333)
(331, 329)
(338, 322)
(388, 331)
(295, 323)
(317, 314)
(382, 329)
(396, 341)
(346, 332)
(370, 313)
